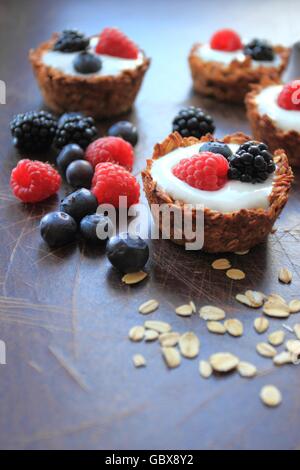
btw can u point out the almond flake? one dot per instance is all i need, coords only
(235, 274)
(134, 278)
(169, 339)
(216, 327)
(275, 308)
(136, 333)
(261, 324)
(193, 306)
(266, 350)
(282, 358)
(151, 335)
(245, 369)
(139, 360)
(241, 253)
(234, 327)
(189, 345)
(159, 326)
(205, 369)
(276, 338)
(285, 276)
(171, 357)
(297, 330)
(294, 306)
(184, 310)
(270, 395)
(148, 307)
(221, 264)
(293, 346)
(223, 362)
(209, 312)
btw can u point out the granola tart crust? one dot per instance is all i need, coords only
(232, 82)
(224, 232)
(97, 96)
(265, 130)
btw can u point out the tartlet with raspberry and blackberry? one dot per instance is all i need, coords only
(99, 75)
(241, 185)
(273, 111)
(225, 67)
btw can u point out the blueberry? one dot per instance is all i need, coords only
(126, 130)
(69, 154)
(216, 147)
(79, 204)
(85, 62)
(127, 253)
(58, 228)
(92, 226)
(79, 174)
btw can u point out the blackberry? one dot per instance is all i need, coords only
(252, 163)
(76, 129)
(71, 40)
(259, 50)
(194, 122)
(33, 131)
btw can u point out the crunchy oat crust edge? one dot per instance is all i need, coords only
(229, 232)
(231, 82)
(265, 130)
(97, 96)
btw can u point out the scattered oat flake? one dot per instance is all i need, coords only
(297, 330)
(159, 326)
(275, 308)
(171, 356)
(282, 358)
(134, 278)
(234, 327)
(148, 307)
(209, 312)
(189, 345)
(205, 369)
(235, 274)
(221, 264)
(294, 306)
(241, 253)
(293, 346)
(276, 338)
(136, 333)
(216, 327)
(270, 395)
(256, 298)
(193, 306)
(246, 369)
(151, 335)
(285, 276)
(184, 310)
(139, 360)
(223, 362)
(169, 339)
(266, 350)
(276, 297)
(243, 299)
(261, 324)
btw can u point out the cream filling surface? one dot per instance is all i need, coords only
(234, 196)
(285, 119)
(63, 61)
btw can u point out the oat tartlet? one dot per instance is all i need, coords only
(231, 231)
(103, 93)
(276, 124)
(226, 74)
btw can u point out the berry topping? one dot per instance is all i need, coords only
(64, 117)
(252, 163)
(76, 130)
(69, 154)
(33, 131)
(226, 40)
(115, 43)
(96, 228)
(85, 62)
(289, 97)
(206, 171)
(34, 181)
(194, 122)
(110, 149)
(71, 40)
(259, 50)
(127, 253)
(216, 147)
(79, 174)
(126, 130)
(112, 181)
(58, 228)
(79, 204)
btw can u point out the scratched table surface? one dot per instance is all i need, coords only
(69, 382)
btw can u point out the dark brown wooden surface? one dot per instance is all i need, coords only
(64, 314)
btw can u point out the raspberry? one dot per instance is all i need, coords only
(110, 149)
(34, 181)
(206, 171)
(289, 97)
(114, 42)
(112, 181)
(226, 40)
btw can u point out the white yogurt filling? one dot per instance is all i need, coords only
(206, 53)
(285, 119)
(234, 196)
(63, 61)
